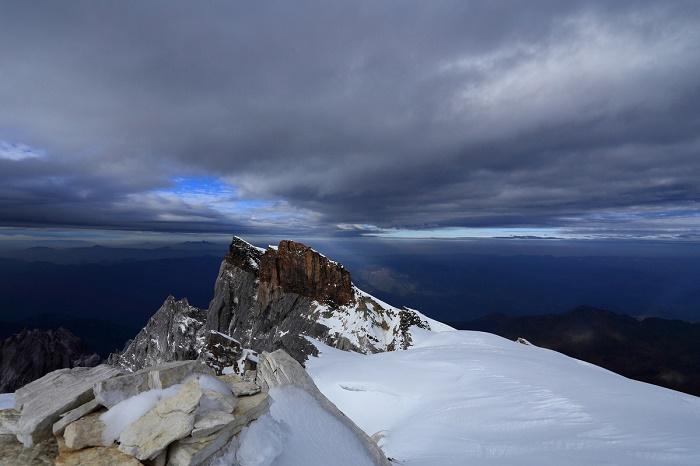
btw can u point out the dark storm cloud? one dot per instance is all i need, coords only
(383, 114)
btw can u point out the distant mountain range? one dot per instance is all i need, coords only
(659, 351)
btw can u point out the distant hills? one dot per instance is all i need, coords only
(659, 351)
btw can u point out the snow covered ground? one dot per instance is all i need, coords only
(7, 400)
(460, 397)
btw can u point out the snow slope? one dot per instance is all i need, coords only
(472, 398)
(7, 400)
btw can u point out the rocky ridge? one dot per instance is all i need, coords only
(274, 298)
(29, 354)
(176, 414)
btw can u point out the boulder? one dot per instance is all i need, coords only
(239, 386)
(98, 456)
(85, 432)
(191, 451)
(211, 422)
(171, 419)
(74, 415)
(112, 391)
(278, 369)
(42, 402)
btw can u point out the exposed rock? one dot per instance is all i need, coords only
(30, 354)
(211, 422)
(192, 451)
(171, 419)
(8, 421)
(13, 453)
(279, 369)
(42, 402)
(170, 335)
(74, 415)
(240, 386)
(98, 456)
(215, 401)
(111, 391)
(274, 299)
(298, 269)
(85, 432)
(220, 351)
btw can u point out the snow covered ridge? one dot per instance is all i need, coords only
(479, 399)
(369, 325)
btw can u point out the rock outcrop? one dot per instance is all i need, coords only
(187, 417)
(275, 298)
(30, 354)
(170, 335)
(268, 299)
(41, 402)
(295, 268)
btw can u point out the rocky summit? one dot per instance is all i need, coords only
(268, 299)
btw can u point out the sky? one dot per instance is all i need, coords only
(440, 119)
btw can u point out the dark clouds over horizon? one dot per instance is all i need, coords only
(578, 117)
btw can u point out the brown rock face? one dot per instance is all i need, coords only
(296, 268)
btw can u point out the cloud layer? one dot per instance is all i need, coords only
(580, 116)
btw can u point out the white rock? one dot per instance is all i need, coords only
(191, 451)
(171, 419)
(74, 415)
(85, 432)
(112, 391)
(211, 422)
(42, 401)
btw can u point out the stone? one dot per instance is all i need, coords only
(74, 415)
(215, 401)
(112, 391)
(97, 456)
(85, 432)
(8, 421)
(239, 386)
(191, 451)
(279, 369)
(13, 453)
(42, 402)
(171, 419)
(211, 422)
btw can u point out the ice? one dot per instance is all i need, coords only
(298, 431)
(7, 400)
(459, 397)
(127, 411)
